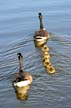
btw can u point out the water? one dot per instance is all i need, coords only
(18, 21)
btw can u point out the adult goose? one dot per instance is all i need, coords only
(22, 79)
(41, 36)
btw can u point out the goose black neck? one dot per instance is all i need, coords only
(20, 58)
(40, 19)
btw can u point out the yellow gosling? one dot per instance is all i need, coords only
(46, 55)
(46, 63)
(45, 59)
(45, 48)
(51, 69)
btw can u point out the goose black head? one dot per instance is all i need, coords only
(19, 55)
(40, 15)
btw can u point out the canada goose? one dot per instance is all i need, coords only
(41, 36)
(22, 79)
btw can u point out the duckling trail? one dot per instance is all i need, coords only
(46, 60)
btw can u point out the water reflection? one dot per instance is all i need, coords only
(22, 93)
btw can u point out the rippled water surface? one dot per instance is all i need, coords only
(18, 22)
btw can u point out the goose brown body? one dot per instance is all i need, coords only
(22, 76)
